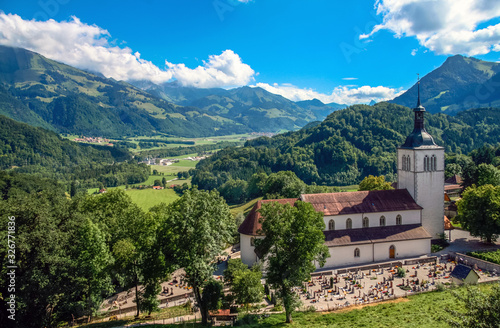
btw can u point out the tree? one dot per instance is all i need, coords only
(194, 230)
(164, 182)
(157, 182)
(374, 183)
(93, 260)
(211, 296)
(452, 169)
(246, 285)
(488, 174)
(482, 310)
(284, 184)
(479, 211)
(234, 191)
(293, 240)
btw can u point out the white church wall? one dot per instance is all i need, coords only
(408, 217)
(344, 255)
(403, 249)
(248, 255)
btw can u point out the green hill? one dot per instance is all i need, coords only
(43, 92)
(350, 144)
(28, 149)
(460, 83)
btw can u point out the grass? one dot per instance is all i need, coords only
(148, 198)
(243, 208)
(349, 188)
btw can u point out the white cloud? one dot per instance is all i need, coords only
(341, 94)
(443, 26)
(226, 69)
(349, 78)
(89, 47)
(414, 52)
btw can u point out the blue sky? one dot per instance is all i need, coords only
(339, 51)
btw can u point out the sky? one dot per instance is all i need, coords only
(337, 51)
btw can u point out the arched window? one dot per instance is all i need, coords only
(356, 252)
(433, 163)
(399, 220)
(366, 222)
(408, 164)
(426, 163)
(331, 225)
(252, 241)
(392, 252)
(348, 224)
(382, 221)
(404, 163)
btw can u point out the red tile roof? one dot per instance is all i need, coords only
(251, 224)
(362, 202)
(448, 187)
(334, 238)
(447, 224)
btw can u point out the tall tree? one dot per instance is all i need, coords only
(293, 241)
(93, 261)
(195, 229)
(479, 211)
(374, 183)
(246, 286)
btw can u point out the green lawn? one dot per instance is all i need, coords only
(243, 208)
(148, 198)
(349, 188)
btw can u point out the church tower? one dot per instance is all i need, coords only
(421, 172)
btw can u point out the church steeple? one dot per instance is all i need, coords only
(419, 137)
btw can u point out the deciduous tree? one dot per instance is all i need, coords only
(374, 183)
(195, 229)
(293, 241)
(479, 211)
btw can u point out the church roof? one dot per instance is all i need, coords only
(251, 224)
(334, 238)
(340, 203)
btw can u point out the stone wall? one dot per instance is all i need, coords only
(481, 264)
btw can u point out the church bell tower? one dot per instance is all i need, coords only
(421, 172)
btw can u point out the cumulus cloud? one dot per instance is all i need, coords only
(226, 69)
(443, 26)
(89, 47)
(342, 94)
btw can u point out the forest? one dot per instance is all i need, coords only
(349, 145)
(44, 153)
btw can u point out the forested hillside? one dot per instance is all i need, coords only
(349, 145)
(24, 148)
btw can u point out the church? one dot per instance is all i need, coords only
(373, 226)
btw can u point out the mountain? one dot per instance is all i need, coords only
(458, 84)
(43, 92)
(320, 109)
(347, 146)
(255, 108)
